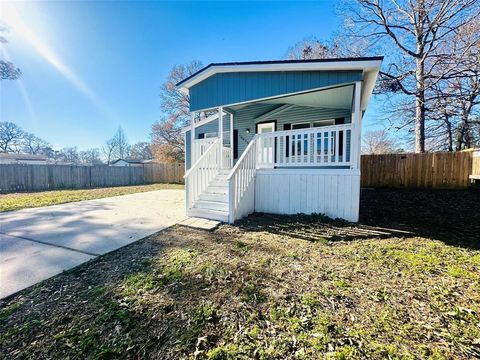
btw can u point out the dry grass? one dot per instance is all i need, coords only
(272, 287)
(17, 201)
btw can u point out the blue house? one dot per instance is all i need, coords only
(276, 136)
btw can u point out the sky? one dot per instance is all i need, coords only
(89, 67)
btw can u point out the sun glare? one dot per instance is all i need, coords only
(11, 17)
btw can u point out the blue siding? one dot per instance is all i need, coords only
(231, 88)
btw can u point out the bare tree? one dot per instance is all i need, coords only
(167, 138)
(32, 144)
(312, 48)
(90, 157)
(141, 151)
(108, 150)
(69, 155)
(411, 33)
(122, 148)
(11, 137)
(379, 142)
(8, 71)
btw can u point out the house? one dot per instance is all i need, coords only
(126, 162)
(28, 159)
(277, 137)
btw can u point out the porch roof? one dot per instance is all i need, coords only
(226, 84)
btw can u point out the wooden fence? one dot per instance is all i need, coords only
(164, 173)
(16, 177)
(450, 170)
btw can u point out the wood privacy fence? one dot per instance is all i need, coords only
(430, 170)
(19, 177)
(164, 173)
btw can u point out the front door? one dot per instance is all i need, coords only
(267, 146)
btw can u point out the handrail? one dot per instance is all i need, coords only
(198, 162)
(244, 154)
(241, 184)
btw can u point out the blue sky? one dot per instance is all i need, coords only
(109, 59)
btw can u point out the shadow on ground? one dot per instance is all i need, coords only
(451, 216)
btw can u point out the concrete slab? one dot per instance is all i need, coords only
(98, 226)
(24, 263)
(199, 223)
(35, 242)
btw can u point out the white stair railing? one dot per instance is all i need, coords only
(241, 184)
(202, 172)
(319, 146)
(200, 146)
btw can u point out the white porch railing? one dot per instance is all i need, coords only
(241, 183)
(320, 146)
(202, 172)
(226, 158)
(199, 147)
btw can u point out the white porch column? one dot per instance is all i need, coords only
(231, 140)
(357, 125)
(192, 137)
(220, 134)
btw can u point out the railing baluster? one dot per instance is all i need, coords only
(337, 136)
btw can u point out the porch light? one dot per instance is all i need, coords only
(247, 131)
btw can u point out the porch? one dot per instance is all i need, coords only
(293, 152)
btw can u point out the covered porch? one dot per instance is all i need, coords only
(295, 142)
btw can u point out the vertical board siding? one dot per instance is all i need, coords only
(19, 177)
(335, 195)
(442, 170)
(236, 87)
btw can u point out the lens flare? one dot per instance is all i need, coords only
(11, 17)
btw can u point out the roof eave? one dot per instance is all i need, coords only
(364, 64)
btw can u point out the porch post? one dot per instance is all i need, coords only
(220, 134)
(357, 122)
(231, 140)
(192, 137)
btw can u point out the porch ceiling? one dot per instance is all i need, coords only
(334, 98)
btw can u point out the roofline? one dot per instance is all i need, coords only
(358, 63)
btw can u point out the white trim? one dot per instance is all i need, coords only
(203, 122)
(309, 171)
(333, 65)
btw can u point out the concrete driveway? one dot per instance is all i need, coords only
(36, 244)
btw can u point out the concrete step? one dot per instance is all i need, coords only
(217, 190)
(211, 205)
(214, 197)
(208, 214)
(219, 183)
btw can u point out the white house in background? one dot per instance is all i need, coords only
(28, 159)
(284, 137)
(127, 162)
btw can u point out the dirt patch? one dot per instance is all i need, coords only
(270, 287)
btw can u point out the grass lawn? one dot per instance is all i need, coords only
(404, 283)
(17, 201)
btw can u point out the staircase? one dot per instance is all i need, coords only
(213, 202)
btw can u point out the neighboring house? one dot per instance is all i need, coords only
(13, 158)
(288, 142)
(126, 162)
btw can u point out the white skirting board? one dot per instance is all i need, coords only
(335, 193)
